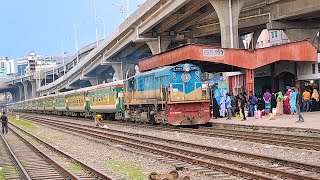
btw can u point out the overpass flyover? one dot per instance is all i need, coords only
(159, 25)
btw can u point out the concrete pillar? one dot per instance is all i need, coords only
(255, 38)
(302, 34)
(20, 92)
(25, 90)
(154, 46)
(249, 81)
(229, 30)
(94, 82)
(241, 44)
(120, 71)
(34, 89)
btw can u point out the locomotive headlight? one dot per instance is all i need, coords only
(186, 67)
(186, 77)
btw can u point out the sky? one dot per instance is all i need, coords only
(45, 26)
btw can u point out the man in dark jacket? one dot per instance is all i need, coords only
(4, 120)
(243, 103)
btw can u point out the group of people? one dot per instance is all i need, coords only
(292, 102)
(229, 105)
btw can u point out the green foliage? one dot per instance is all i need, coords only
(75, 167)
(23, 124)
(127, 169)
(2, 177)
(58, 138)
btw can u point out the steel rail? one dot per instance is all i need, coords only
(97, 173)
(209, 148)
(154, 147)
(22, 170)
(63, 170)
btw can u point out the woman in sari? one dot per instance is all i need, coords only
(280, 103)
(286, 106)
(315, 100)
(293, 101)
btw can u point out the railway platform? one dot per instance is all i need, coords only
(281, 123)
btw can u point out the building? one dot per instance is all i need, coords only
(265, 39)
(7, 68)
(277, 37)
(34, 62)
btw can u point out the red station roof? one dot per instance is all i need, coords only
(302, 51)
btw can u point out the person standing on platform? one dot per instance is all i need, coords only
(242, 105)
(286, 107)
(4, 120)
(293, 101)
(233, 103)
(229, 107)
(315, 100)
(306, 100)
(223, 106)
(267, 100)
(253, 100)
(280, 103)
(273, 102)
(215, 108)
(298, 106)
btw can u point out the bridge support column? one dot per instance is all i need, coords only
(20, 92)
(302, 34)
(241, 43)
(34, 89)
(255, 38)
(25, 90)
(158, 47)
(228, 18)
(120, 71)
(249, 81)
(94, 82)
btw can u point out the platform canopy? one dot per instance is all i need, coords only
(301, 51)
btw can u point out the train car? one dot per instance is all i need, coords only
(75, 103)
(40, 105)
(27, 105)
(106, 99)
(34, 105)
(59, 104)
(169, 95)
(48, 104)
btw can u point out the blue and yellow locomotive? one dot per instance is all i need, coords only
(172, 94)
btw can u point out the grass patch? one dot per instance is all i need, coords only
(23, 123)
(75, 167)
(2, 177)
(58, 138)
(127, 169)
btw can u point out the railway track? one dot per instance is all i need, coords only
(7, 162)
(237, 163)
(300, 142)
(294, 141)
(40, 160)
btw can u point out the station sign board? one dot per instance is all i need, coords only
(213, 52)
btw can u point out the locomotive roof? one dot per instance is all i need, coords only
(157, 70)
(150, 72)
